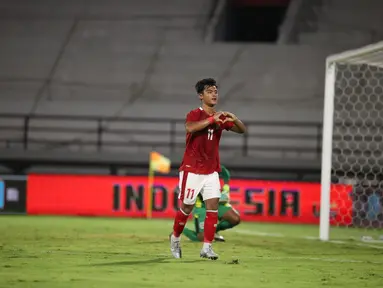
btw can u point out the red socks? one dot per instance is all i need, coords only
(180, 222)
(210, 225)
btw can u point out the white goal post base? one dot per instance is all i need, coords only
(360, 81)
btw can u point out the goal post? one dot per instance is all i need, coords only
(352, 140)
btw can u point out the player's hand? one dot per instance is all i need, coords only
(217, 116)
(225, 198)
(230, 117)
(226, 188)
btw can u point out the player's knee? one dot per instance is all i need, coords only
(212, 204)
(235, 220)
(200, 236)
(187, 209)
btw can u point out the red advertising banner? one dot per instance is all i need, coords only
(266, 201)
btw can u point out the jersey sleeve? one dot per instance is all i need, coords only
(192, 116)
(225, 174)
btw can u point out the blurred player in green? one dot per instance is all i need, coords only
(228, 217)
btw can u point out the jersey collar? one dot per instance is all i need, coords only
(200, 108)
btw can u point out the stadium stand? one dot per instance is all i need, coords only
(333, 23)
(140, 59)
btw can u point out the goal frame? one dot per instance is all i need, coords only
(351, 57)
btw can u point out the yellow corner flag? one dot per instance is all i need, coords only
(157, 163)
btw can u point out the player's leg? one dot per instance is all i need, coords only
(199, 223)
(191, 234)
(222, 209)
(228, 216)
(211, 194)
(196, 235)
(190, 185)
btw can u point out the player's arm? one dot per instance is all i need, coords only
(225, 175)
(195, 126)
(237, 125)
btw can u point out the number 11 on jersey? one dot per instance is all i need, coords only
(190, 193)
(210, 134)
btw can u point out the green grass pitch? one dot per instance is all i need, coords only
(105, 252)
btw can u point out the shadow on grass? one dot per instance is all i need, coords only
(147, 261)
(133, 262)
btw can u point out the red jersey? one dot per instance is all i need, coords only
(202, 148)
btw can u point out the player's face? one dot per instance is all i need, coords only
(209, 96)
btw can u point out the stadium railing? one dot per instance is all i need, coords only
(23, 131)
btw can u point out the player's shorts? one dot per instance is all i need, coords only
(191, 185)
(199, 215)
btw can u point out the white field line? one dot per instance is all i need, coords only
(337, 260)
(372, 241)
(257, 233)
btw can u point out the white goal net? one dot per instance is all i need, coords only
(352, 149)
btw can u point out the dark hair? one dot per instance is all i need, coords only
(204, 83)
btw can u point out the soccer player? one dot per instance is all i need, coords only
(200, 165)
(228, 217)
